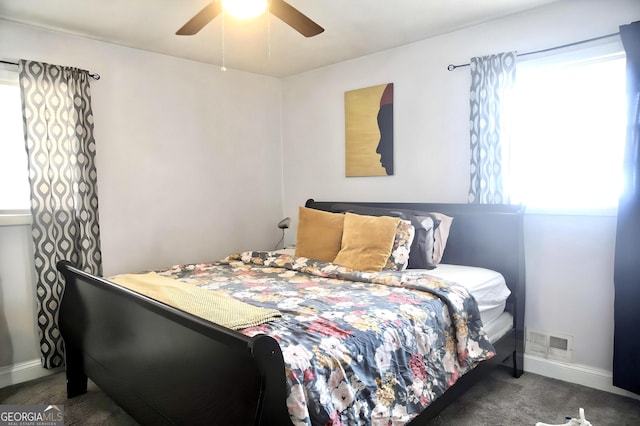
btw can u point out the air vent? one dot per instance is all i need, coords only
(554, 346)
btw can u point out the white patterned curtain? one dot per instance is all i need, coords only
(58, 127)
(491, 78)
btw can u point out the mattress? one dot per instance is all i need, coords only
(487, 287)
(362, 346)
(499, 326)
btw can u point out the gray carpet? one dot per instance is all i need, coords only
(500, 400)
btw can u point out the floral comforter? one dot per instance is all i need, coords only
(359, 348)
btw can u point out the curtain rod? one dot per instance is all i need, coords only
(452, 67)
(94, 75)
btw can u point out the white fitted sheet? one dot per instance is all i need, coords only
(487, 287)
(499, 326)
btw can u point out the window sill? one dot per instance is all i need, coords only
(15, 219)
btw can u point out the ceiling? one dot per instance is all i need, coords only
(265, 45)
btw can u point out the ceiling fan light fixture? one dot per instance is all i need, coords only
(244, 9)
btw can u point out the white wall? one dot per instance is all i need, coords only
(569, 259)
(188, 159)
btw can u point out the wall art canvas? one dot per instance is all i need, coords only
(369, 131)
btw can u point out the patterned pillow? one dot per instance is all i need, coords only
(399, 258)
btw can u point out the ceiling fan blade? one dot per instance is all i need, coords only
(294, 18)
(201, 19)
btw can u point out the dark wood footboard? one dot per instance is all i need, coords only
(162, 365)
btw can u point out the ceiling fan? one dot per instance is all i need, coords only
(281, 9)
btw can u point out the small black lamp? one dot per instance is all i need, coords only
(283, 224)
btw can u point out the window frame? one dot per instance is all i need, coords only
(565, 57)
(12, 217)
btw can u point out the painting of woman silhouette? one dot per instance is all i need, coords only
(369, 131)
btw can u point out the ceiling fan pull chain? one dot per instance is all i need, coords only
(223, 67)
(269, 36)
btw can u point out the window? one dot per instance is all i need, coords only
(14, 174)
(568, 129)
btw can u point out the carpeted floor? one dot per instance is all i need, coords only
(501, 400)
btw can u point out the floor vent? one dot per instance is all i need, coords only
(553, 346)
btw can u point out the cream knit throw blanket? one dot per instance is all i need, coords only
(205, 304)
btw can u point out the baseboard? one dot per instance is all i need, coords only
(23, 372)
(574, 373)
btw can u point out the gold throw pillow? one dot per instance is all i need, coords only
(319, 234)
(367, 242)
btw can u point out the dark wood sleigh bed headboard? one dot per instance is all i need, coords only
(484, 235)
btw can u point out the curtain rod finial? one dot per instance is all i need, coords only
(451, 67)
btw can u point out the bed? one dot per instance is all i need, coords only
(166, 366)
